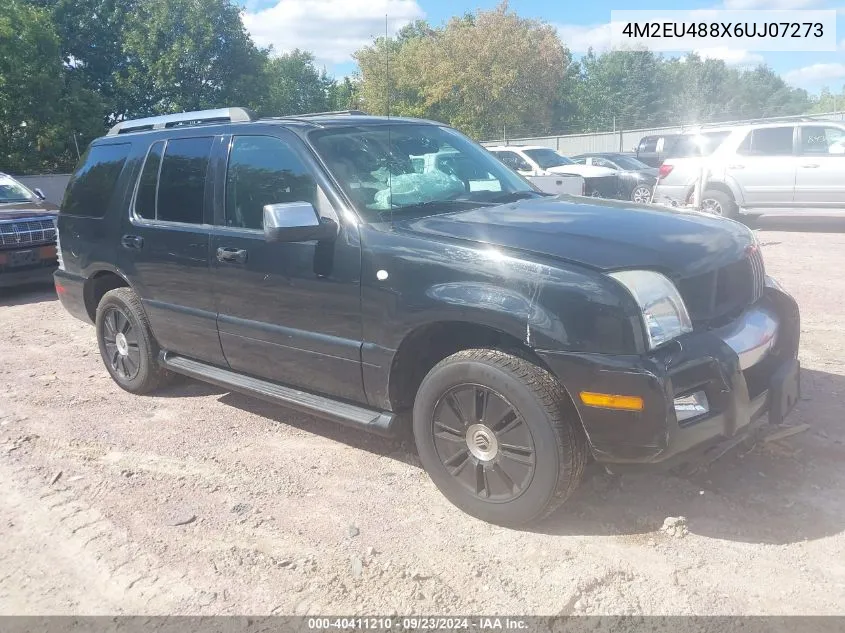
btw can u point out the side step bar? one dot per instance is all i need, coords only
(378, 422)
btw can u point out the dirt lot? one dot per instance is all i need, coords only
(204, 502)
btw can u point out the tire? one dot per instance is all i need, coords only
(641, 194)
(720, 203)
(524, 406)
(133, 361)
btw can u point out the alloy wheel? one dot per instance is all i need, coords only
(483, 442)
(121, 342)
(641, 194)
(709, 205)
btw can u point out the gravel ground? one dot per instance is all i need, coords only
(199, 501)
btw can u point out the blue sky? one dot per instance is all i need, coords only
(332, 29)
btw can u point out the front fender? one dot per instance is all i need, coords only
(410, 282)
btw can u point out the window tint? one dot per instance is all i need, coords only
(512, 160)
(91, 186)
(702, 144)
(181, 185)
(822, 140)
(264, 170)
(648, 144)
(145, 200)
(770, 141)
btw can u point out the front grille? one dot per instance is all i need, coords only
(19, 233)
(716, 297)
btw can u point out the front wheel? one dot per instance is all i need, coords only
(492, 433)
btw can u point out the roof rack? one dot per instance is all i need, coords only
(798, 118)
(220, 115)
(336, 112)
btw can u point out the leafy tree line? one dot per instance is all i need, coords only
(71, 68)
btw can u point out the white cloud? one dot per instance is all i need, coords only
(579, 38)
(771, 4)
(331, 29)
(815, 73)
(731, 56)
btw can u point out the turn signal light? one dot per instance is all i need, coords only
(611, 401)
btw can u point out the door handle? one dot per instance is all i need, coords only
(811, 166)
(231, 255)
(737, 167)
(132, 241)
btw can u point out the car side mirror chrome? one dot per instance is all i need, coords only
(296, 222)
(39, 193)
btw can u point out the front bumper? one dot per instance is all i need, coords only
(746, 370)
(41, 272)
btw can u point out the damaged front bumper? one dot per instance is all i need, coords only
(704, 388)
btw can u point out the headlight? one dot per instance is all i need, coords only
(664, 313)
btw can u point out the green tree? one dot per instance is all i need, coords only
(40, 107)
(188, 55)
(828, 101)
(625, 89)
(481, 72)
(294, 85)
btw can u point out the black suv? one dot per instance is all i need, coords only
(331, 263)
(27, 235)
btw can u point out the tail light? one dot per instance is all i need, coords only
(664, 171)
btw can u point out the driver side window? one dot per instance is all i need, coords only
(513, 160)
(264, 170)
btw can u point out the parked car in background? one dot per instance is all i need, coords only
(789, 167)
(652, 150)
(309, 261)
(536, 160)
(636, 179)
(27, 234)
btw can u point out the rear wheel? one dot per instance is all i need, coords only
(492, 433)
(641, 194)
(718, 203)
(126, 343)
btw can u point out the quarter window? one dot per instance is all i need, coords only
(264, 170)
(145, 200)
(90, 189)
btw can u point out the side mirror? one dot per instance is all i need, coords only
(39, 193)
(296, 222)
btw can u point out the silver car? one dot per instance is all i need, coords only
(781, 168)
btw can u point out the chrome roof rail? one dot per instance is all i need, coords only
(220, 115)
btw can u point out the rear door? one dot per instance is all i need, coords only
(820, 177)
(288, 311)
(165, 246)
(764, 167)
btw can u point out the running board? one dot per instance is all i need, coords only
(378, 422)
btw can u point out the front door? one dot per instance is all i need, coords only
(165, 246)
(288, 312)
(820, 181)
(764, 167)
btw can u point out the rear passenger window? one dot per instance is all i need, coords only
(91, 187)
(263, 170)
(181, 183)
(768, 141)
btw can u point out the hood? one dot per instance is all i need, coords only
(601, 234)
(20, 210)
(587, 171)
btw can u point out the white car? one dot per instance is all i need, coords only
(536, 160)
(779, 168)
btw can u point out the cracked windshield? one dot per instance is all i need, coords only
(415, 167)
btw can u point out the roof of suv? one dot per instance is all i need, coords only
(242, 116)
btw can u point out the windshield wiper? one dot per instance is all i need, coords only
(443, 205)
(513, 196)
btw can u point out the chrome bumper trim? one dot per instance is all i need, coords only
(751, 336)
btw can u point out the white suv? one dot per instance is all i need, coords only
(775, 168)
